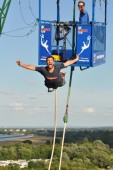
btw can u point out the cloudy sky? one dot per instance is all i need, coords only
(24, 100)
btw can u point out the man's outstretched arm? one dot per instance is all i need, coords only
(69, 62)
(30, 67)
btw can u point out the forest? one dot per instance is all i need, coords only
(83, 150)
(81, 156)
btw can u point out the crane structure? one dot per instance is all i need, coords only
(3, 13)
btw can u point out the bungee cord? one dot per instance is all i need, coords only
(65, 119)
(55, 111)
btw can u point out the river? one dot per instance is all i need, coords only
(7, 137)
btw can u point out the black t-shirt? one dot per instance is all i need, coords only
(57, 79)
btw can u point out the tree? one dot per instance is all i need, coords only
(13, 167)
(27, 141)
(37, 164)
(101, 159)
(65, 156)
(24, 153)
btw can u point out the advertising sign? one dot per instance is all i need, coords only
(83, 44)
(44, 42)
(99, 58)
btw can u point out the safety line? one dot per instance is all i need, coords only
(62, 145)
(66, 116)
(55, 111)
(69, 89)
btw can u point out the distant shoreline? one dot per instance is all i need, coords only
(51, 127)
(13, 137)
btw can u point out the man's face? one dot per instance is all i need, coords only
(81, 7)
(50, 63)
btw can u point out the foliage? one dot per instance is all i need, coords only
(27, 141)
(83, 150)
(81, 156)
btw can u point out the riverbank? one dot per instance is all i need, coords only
(14, 137)
(33, 138)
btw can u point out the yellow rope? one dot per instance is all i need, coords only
(54, 130)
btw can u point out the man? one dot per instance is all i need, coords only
(53, 77)
(83, 17)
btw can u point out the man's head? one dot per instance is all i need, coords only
(50, 62)
(81, 6)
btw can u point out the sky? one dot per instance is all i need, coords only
(24, 100)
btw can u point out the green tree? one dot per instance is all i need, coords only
(24, 153)
(37, 164)
(27, 141)
(65, 156)
(13, 167)
(101, 159)
(13, 153)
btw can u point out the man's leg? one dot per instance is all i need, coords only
(63, 77)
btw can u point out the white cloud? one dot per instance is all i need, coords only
(31, 82)
(17, 106)
(89, 110)
(110, 109)
(41, 108)
(6, 93)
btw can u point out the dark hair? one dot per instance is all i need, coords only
(49, 57)
(81, 2)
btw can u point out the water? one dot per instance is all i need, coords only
(7, 137)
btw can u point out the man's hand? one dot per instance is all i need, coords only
(72, 61)
(29, 67)
(19, 62)
(77, 57)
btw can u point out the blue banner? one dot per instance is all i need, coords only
(83, 44)
(99, 53)
(99, 58)
(44, 42)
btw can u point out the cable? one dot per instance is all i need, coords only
(19, 36)
(23, 17)
(33, 26)
(31, 9)
(69, 42)
(54, 130)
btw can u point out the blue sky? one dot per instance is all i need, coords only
(24, 100)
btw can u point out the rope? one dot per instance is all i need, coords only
(66, 116)
(69, 89)
(54, 130)
(62, 145)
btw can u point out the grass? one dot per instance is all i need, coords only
(35, 140)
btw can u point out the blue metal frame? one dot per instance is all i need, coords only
(90, 57)
(98, 57)
(39, 40)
